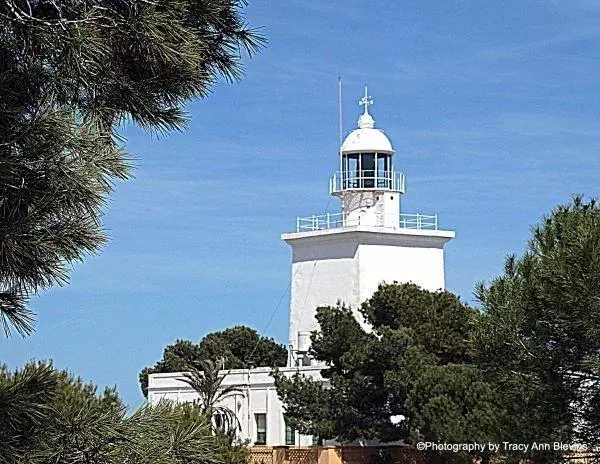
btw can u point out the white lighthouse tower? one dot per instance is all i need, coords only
(336, 257)
(345, 256)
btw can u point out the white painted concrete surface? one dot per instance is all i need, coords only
(348, 264)
(258, 397)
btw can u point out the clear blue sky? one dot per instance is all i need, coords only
(492, 107)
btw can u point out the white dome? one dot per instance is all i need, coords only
(365, 140)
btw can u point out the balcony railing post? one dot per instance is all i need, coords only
(333, 220)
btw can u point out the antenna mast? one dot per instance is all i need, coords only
(340, 107)
(341, 129)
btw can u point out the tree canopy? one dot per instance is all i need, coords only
(237, 347)
(413, 365)
(71, 73)
(525, 368)
(50, 416)
(539, 335)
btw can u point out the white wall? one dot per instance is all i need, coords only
(258, 396)
(349, 263)
(371, 207)
(423, 266)
(323, 272)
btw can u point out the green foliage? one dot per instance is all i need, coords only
(452, 401)
(539, 336)
(438, 321)
(238, 347)
(208, 383)
(241, 347)
(413, 363)
(54, 179)
(72, 392)
(25, 399)
(308, 405)
(34, 399)
(49, 416)
(71, 73)
(152, 434)
(228, 448)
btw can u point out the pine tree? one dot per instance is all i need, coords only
(539, 337)
(49, 416)
(72, 72)
(413, 365)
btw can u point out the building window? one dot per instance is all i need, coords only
(261, 429)
(290, 434)
(317, 441)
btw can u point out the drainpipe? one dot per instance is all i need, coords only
(249, 423)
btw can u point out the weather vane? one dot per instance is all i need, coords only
(366, 101)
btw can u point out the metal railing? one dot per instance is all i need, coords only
(336, 220)
(361, 180)
(419, 221)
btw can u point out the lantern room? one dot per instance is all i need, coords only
(366, 158)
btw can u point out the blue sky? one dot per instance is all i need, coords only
(493, 110)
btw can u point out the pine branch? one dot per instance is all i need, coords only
(14, 312)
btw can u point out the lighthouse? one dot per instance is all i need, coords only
(339, 256)
(344, 256)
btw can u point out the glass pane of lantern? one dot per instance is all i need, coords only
(353, 171)
(368, 168)
(383, 170)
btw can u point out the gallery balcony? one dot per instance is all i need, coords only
(336, 220)
(366, 180)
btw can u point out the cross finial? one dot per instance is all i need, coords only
(366, 101)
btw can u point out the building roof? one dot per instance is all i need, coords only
(366, 138)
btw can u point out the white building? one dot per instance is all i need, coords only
(258, 409)
(335, 257)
